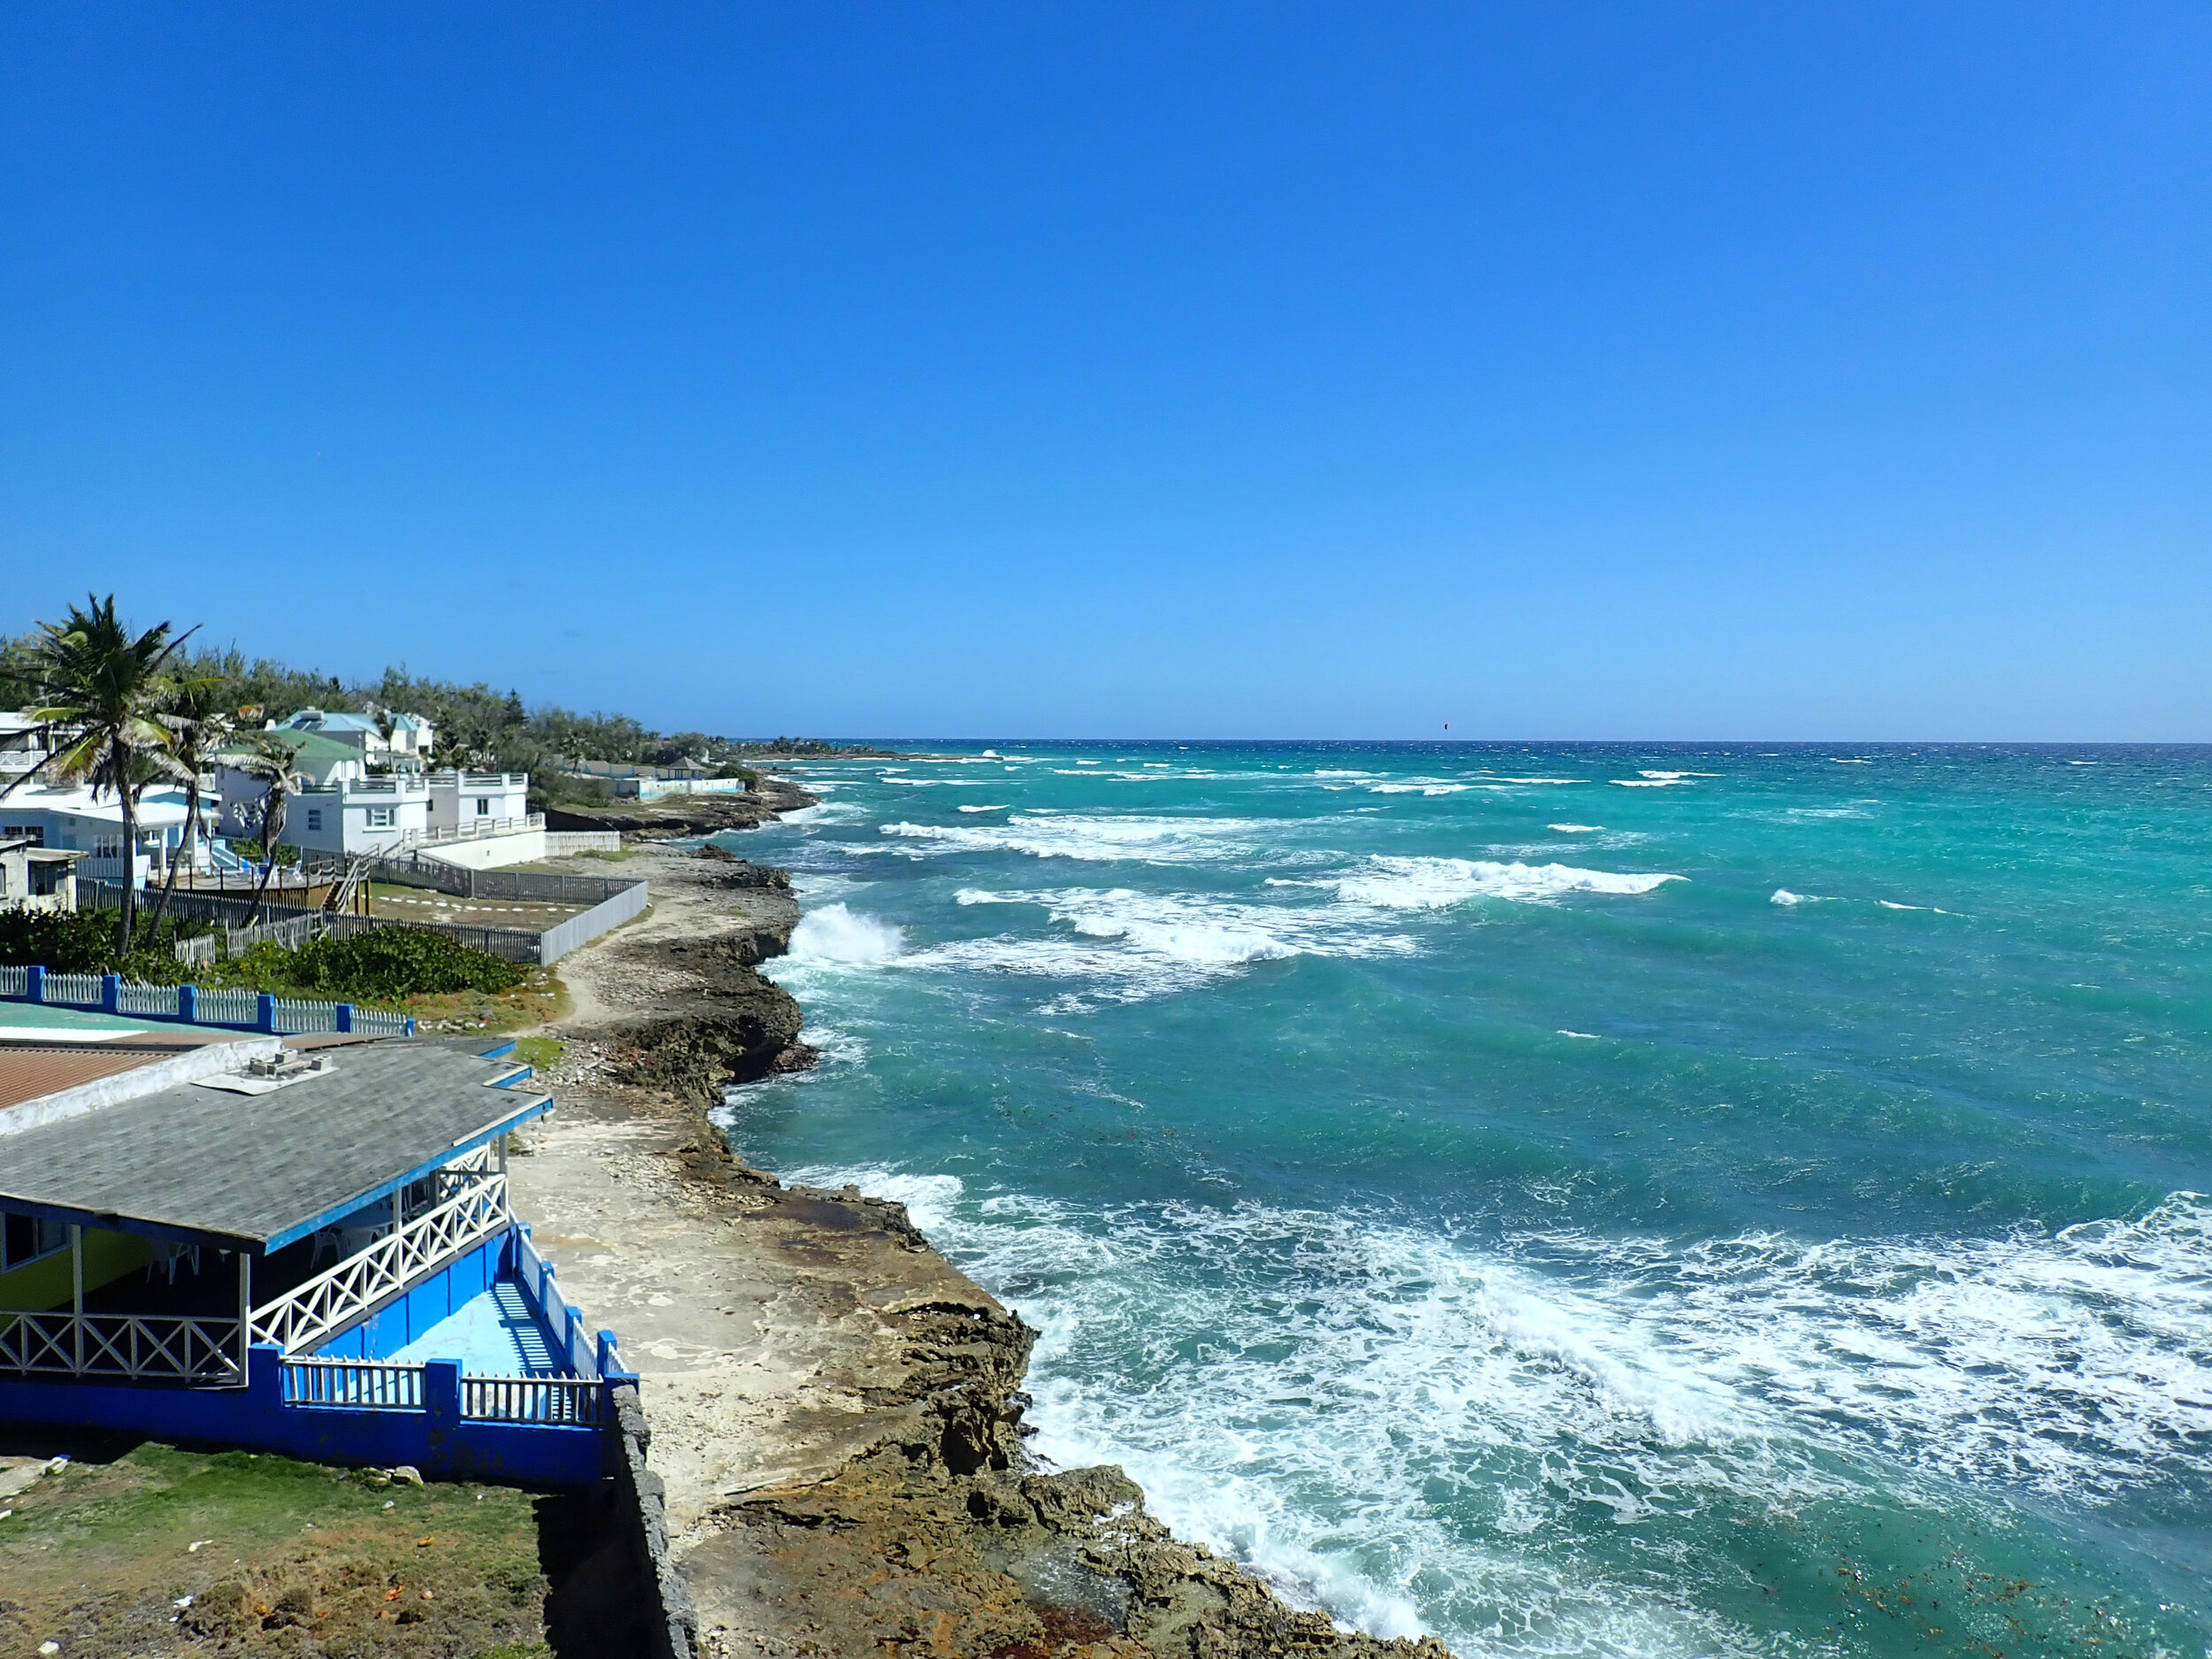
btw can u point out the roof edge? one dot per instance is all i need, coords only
(185, 1066)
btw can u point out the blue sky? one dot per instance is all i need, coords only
(1556, 371)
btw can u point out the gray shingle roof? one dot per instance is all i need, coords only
(266, 1167)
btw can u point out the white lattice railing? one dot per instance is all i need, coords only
(574, 1401)
(360, 1383)
(339, 1295)
(15, 981)
(131, 1346)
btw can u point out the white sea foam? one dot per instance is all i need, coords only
(1237, 1362)
(1418, 788)
(1652, 783)
(1783, 896)
(1577, 829)
(1339, 772)
(1395, 883)
(1096, 837)
(826, 812)
(1123, 946)
(1676, 777)
(837, 936)
(1001, 807)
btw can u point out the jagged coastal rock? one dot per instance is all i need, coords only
(836, 1410)
(676, 816)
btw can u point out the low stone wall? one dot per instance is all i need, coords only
(672, 1626)
(561, 842)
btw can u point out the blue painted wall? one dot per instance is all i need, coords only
(438, 1440)
(410, 1315)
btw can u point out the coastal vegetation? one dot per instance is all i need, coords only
(391, 967)
(477, 726)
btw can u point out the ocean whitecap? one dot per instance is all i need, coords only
(1400, 883)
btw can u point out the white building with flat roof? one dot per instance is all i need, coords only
(73, 817)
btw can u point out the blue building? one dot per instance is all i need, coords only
(300, 1245)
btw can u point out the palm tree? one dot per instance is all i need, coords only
(198, 727)
(272, 760)
(105, 683)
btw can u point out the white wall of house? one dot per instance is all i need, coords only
(460, 799)
(355, 815)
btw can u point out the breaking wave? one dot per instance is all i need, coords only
(1395, 883)
(1123, 946)
(1237, 1361)
(1096, 837)
(837, 936)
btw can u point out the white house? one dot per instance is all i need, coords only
(468, 803)
(341, 810)
(409, 745)
(23, 743)
(71, 818)
(350, 816)
(35, 878)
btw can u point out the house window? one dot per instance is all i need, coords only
(483, 806)
(26, 1238)
(314, 817)
(35, 833)
(380, 817)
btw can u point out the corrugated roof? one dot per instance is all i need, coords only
(28, 1071)
(267, 1168)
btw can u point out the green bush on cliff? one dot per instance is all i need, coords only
(388, 965)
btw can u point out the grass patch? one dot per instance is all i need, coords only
(539, 1000)
(293, 1557)
(542, 1053)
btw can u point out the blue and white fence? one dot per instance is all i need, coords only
(188, 1004)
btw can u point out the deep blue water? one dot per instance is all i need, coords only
(1483, 1235)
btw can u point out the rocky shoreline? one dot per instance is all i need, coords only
(836, 1409)
(675, 817)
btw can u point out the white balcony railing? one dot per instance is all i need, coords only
(127, 1346)
(339, 1295)
(475, 829)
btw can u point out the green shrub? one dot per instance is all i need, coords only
(83, 941)
(391, 963)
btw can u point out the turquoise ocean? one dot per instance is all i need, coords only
(1568, 1200)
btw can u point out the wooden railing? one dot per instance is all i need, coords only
(127, 1346)
(337, 1296)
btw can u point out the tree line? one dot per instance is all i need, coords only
(477, 726)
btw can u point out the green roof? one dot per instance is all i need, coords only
(314, 753)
